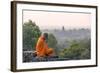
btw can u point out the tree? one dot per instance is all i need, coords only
(52, 41)
(80, 49)
(31, 33)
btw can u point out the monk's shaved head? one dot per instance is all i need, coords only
(45, 35)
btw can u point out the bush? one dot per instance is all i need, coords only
(77, 50)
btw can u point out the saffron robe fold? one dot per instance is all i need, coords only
(42, 48)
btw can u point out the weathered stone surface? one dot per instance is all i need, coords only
(30, 57)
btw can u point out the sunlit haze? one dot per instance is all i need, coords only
(56, 20)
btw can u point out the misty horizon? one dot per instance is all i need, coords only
(66, 29)
(56, 20)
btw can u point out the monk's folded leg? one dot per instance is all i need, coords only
(41, 53)
(50, 52)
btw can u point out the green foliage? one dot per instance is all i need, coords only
(52, 42)
(77, 50)
(31, 33)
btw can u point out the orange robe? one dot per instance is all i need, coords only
(42, 48)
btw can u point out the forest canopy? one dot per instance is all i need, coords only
(65, 42)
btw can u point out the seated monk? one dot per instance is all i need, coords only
(42, 49)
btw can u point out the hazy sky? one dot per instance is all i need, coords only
(56, 20)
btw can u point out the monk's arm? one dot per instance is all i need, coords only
(39, 45)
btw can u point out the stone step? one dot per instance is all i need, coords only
(48, 59)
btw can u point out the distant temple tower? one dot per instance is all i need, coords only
(63, 28)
